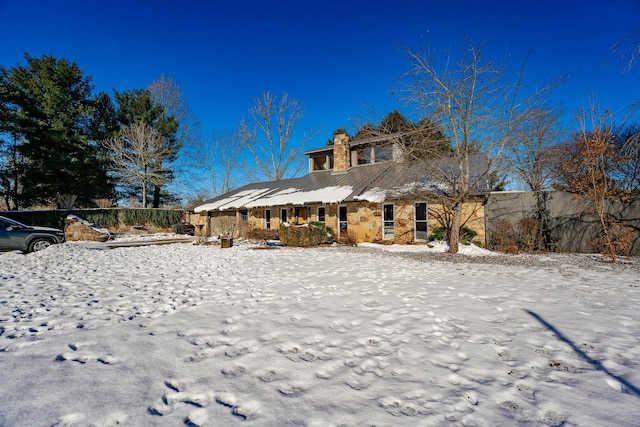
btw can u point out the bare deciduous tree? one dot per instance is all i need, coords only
(136, 154)
(530, 155)
(167, 93)
(628, 145)
(629, 49)
(462, 99)
(475, 103)
(267, 134)
(589, 169)
(215, 166)
(225, 151)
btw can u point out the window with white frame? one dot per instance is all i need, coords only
(420, 218)
(267, 218)
(387, 222)
(342, 219)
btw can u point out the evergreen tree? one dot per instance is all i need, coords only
(420, 140)
(137, 106)
(395, 122)
(48, 113)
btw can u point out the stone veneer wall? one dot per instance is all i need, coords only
(199, 220)
(403, 214)
(472, 217)
(365, 219)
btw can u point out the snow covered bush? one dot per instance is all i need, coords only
(305, 235)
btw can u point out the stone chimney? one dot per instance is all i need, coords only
(341, 157)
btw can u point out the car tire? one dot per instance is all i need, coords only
(38, 245)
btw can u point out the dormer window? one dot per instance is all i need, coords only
(322, 162)
(364, 156)
(384, 153)
(372, 154)
(343, 154)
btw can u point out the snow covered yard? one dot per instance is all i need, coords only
(197, 335)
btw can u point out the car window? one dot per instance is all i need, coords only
(6, 222)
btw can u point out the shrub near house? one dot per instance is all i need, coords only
(313, 234)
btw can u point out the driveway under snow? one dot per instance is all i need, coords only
(197, 335)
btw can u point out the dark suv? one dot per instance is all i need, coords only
(17, 236)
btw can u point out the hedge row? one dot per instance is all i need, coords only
(107, 218)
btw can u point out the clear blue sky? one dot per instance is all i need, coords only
(341, 59)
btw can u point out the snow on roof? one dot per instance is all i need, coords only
(260, 197)
(374, 183)
(296, 196)
(379, 195)
(373, 195)
(236, 200)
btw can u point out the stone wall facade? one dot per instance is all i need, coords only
(364, 220)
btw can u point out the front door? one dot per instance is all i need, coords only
(301, 214)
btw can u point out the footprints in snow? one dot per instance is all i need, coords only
(78, 354)
(200, 403)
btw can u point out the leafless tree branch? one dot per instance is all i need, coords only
(267, 134)
(136, 154)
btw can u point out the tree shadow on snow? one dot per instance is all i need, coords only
(628, 387)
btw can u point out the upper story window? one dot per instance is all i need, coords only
(384, 153)
(364, 156)
(322, 162)
(368, 155)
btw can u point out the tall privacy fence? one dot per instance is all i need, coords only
(110, 218)
(570, 226)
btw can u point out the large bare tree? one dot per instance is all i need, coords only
(166, 92)
(267, 135)
(136, 155)
(475, 103)
(222, 160)
(531, 155)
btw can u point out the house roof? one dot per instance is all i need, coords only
(372, 140)
(319, 150)
(374, 183)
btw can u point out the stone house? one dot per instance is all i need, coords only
(358, 187)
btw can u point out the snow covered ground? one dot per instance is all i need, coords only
(183, 334)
